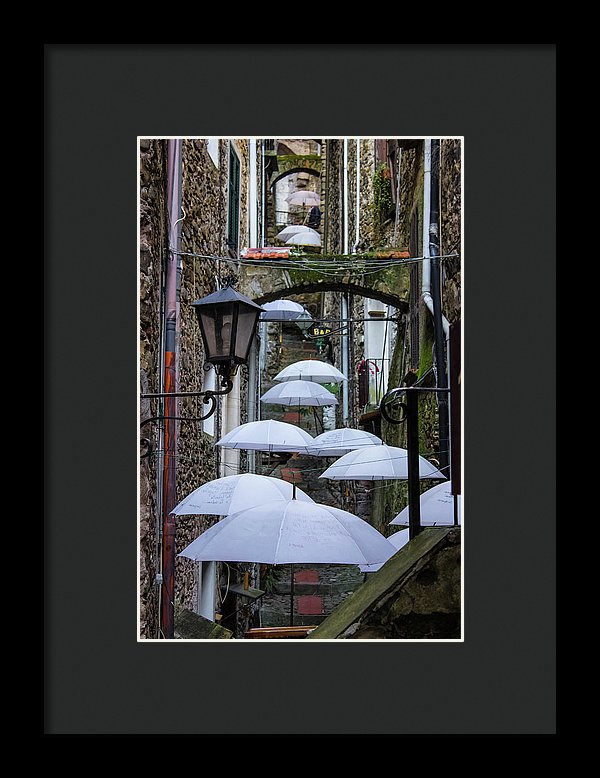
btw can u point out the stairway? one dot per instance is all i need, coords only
(318, 589)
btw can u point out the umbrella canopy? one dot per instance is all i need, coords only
(267, 435)
(335, 443)
(378, 463)
(289, 532)
(234, 493)
(311, 370)
(303, 198)
(299, 393)
(397, 540)
(304, 238)
(281, 310)
(437, 507)
(292, 229)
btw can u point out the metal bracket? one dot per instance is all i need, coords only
(208, 397)
(392, 408)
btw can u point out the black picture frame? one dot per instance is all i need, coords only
(98, 98)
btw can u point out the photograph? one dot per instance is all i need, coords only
(300, 389)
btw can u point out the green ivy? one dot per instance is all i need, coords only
(382, 199)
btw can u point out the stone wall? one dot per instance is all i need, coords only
(332, 239)
(153, 227)
(203, 232)
(367, 171)
(450, 224)
(204, 200)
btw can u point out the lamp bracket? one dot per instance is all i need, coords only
(208, 398)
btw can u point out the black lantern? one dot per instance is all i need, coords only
(227, 322)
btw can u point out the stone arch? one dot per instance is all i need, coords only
(289, 172)
(334, 286)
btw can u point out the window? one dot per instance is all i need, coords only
(212, 146)
(233, 213)
(415, 297)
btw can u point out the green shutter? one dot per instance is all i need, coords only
(233, 223)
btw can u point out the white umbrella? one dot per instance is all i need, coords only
(289, 532)
(281, 310)
(304, 238)
(303, 198)
(397, 540)
(378, 463)
(437, 507)
(267, 435)
(234, 493)
(292, 229)
(311, 370)
(335, 443)
(300, 393)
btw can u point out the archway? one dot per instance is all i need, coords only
(335, 286)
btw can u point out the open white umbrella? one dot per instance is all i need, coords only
(300, 393)
(288, 532)
(305, 198)
(281, 310)
(437, 507)
(378, 463)
(292, 229)
(304, 238)
(267, 435)
(311, 370)
(234, 493)
(397, 540)
(335, 443)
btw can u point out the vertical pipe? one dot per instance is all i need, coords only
(252, 194)
(412, 445)
(436, 293)
(169, 496)
(344, 305)
(291, 595)
(346, 230)
(345, 392)
(426, 265)
(263, 194)
(252, 398)
(357, 219)
(169, 484)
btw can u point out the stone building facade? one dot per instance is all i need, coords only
(204, 171)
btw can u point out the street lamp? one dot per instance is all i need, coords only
(227, 322)
(304, 321)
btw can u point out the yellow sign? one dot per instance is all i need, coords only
(319, 332)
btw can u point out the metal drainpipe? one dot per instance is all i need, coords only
(439, 345)
(357, 232)
(170, 385)
(344, 306)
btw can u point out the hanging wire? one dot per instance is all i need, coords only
(340, 262)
